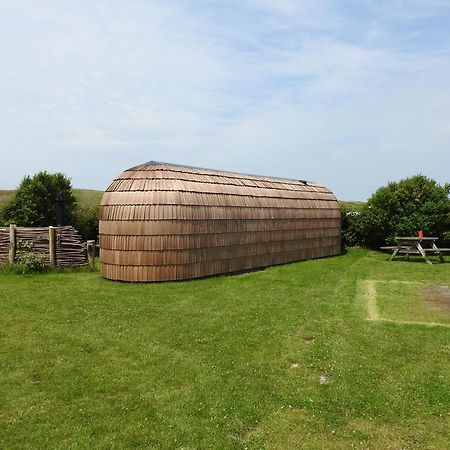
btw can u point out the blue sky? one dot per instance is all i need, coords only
(351, 94)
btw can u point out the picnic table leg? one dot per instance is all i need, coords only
(394, 253)
(424, 256)
(436, 249)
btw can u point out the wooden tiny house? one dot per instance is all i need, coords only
(163, 222)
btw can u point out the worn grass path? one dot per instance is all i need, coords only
(282, 358)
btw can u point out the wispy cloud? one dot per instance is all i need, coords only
(312, 89)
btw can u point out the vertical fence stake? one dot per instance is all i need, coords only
(90, 247)
(12, 244)
(52, 245)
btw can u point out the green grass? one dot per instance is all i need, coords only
(88, 197)
(85, 197)
(417, 302)
(6, 195)
(225, 363)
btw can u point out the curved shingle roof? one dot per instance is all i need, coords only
(160, 221)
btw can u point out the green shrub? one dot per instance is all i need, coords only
(85, 220)
(27, 260)
(350, 236)
(30, 262)
(402, 209)
(34, 203)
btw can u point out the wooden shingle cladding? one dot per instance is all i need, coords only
(162, 222)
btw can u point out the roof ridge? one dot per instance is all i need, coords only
(222, 172)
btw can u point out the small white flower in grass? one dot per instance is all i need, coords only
(324, 379)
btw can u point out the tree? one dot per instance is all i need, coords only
(35, 202)
(402, 209)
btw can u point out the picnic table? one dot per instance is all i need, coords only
(412, 245)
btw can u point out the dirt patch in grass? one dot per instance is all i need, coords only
(291, 428)
(405, 302)
(437, 297)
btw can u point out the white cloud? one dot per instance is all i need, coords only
(300, 89)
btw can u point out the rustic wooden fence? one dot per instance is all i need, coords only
(61, 246)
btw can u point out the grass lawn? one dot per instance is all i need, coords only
(282, 359)
(413, 302)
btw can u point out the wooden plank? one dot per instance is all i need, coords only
(12, 244)
(90, 247)
(52, 245)
(424, 256)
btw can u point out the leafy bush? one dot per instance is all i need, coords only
(35, 201)
(402, 209)
(30, 262)
(27, 260)
(86, 222)
(350, 236)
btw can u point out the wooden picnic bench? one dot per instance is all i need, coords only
(413, 246)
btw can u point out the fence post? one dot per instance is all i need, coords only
(12, 244)
(90, 247)
(52, 245)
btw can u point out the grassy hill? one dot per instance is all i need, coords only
(88, 197)
(92, 197)
(352, 206)
(85, 197)
(6, 195)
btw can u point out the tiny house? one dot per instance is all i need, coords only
(161, 222)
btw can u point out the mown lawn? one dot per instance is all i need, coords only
(282, 358)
